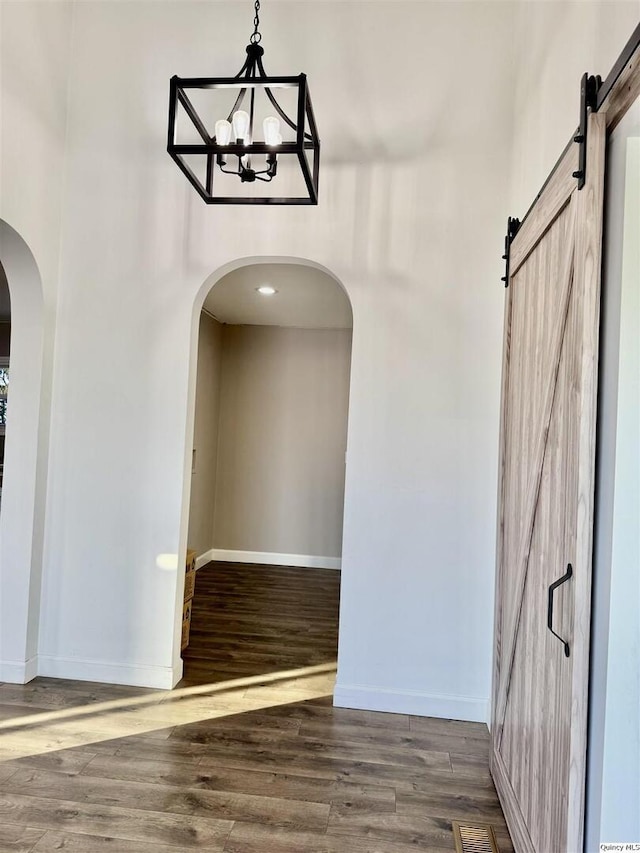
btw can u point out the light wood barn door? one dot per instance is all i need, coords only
(545, 512)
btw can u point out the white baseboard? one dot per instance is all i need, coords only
(304, 561)
(161, 677)
(18, 672)
(470, 708)
(205, 558)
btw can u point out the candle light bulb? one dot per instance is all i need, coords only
(240, 125)
(223, 132)
(271, 130)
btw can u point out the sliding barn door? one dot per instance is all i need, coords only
(547, 454)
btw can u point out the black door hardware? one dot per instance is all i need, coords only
(552, 588)
(513, 226)
(589, 86)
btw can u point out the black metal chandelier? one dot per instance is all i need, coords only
(235, 166)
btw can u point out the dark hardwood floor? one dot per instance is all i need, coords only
(253, 620)
(247, 755)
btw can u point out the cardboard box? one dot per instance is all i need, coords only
(191, 561)
(186, 625)
(189, 585)
(190, 575)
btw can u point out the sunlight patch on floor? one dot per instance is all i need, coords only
(154, 715)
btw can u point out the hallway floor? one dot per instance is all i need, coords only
(250, 620)
(246, 755)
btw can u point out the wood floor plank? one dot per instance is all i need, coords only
(330, 732)
(373, 747)
(245, 641)
(457, 728)
(465, 764)
(166, 750)
(97, 725)
(505, 845)
(69, 842)
(6, 770)
(451, 806)
(248, 755)
(227, 696)
(128, 824)
(18, 839)
(248, 721)
(50, 738)
(274, 752)
(245, 838)
(295, 690)
(51, 693)
(340, 769)
(278, 785)
(65, 760)
(480, 787)
(291, 616)
(394, 828)
(12, 712)
(147, 796)
(311, 711)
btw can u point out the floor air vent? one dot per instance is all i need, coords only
(474, 838)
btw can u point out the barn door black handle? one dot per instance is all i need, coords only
(552, 588)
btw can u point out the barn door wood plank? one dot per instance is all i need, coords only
(521, 563)
(546, 210)
(545, 514)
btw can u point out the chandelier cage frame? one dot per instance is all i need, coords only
(251, 79)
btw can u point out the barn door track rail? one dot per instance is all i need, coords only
(593, 94)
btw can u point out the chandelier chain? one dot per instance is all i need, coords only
(256, 36)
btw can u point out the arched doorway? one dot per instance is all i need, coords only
(280, 448)
(24, 471)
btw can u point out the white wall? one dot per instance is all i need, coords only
(413, 203)
(556, 43)
(284, 397)
(205, 436)
(34, 62)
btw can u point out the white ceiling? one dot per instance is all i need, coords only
(306, 298)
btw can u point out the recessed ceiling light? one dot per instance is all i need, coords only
(266, 290)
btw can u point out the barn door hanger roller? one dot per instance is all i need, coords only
(593, 95)
(513, 226)
(589, 88)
